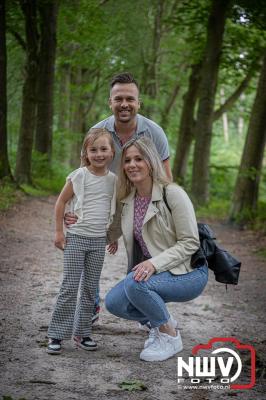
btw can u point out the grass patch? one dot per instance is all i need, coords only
(46, 180)
(215, 209)
(133, 385)
(219, 209)
(259, 223)
(253, 219)
(261, 253)
(34, 191)
(9, 194)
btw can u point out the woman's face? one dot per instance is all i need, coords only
(135, 167)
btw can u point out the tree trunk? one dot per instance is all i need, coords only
(224, 117)
(228, 103)
(78, 124)
(203, 128)
(4, 162)
(149, 82)
(241, 122)
(151, 89)
(168, 106)
(64, 98)
(240, 126)
(247, 185)
(28, 116)
(44, 127)
(186, 135)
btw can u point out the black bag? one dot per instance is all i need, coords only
(226, 268)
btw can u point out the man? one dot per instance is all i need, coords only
(126, 124)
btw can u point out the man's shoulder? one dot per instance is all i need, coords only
(145, 124)
(107, 123)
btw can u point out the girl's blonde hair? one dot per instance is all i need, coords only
(92, 135)
(150, 154)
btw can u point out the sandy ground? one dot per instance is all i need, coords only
(31, 271)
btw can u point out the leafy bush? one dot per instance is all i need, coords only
(9, 194)
(48, 177)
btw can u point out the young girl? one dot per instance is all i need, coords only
(91, 192)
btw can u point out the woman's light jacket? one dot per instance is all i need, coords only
(171, 237)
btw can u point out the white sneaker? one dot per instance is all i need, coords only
(153, 332)
(173, 322)
(163, 347)
(151, 338)
(145, 327)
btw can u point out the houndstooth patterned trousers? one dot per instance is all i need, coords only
(83, 262)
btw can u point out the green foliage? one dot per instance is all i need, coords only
(9, 194)
(253, 219)
(261, 253)
(43, 343)
(11, 398)
(133, 385)
(216, 209)
(47, 177)
(101, 38)
(224, 162)
(34, 191)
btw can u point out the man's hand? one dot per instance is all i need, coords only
(143, 271)
(70, 219)
(60, 240)
(112, 247)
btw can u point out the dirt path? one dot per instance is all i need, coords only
(30, 277)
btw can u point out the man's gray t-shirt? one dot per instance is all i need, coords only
(145, 127)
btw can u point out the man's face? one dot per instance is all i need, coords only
(124, 102)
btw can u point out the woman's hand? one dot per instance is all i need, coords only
(112, 247)
(60, 240)
(143, 271)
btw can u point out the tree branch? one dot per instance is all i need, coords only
(234, 96)
(18, 38)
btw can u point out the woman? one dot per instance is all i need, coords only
(159, 244)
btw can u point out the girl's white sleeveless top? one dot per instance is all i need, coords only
(93, 202)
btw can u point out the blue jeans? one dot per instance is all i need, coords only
(145, 301)
(97, 298)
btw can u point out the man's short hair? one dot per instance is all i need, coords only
(125, 77)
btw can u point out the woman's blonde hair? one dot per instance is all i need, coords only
(92, 135)
(150, 154)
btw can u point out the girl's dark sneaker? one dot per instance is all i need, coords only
(54, 346)
(96, 314)
(87, 344)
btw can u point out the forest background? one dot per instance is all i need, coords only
(201, 66)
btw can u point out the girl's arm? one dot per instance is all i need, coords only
(65, 195)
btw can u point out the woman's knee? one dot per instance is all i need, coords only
(115, 300)
(131, 286)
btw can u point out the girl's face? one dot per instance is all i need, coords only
(135, 167)
(99, 154)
